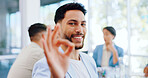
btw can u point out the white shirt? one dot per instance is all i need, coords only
(105, 57)
(79, 68)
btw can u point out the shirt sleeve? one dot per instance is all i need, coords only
(121, 52)
(95, 54)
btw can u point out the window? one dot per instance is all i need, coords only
(15, 33)
(131, 23)
(139, 38)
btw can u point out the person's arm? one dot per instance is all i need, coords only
(57, 61)
(146, 71)
(115, 53)
(115, 56)
(95, 54)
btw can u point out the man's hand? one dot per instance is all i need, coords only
(57, 61)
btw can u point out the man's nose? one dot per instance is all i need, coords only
(78, 29)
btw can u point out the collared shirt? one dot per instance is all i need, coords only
(79, 68)
(41, 69)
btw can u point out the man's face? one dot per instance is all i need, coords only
(73, 27)
(108, 37)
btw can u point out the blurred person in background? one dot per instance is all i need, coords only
(146, 71)
(23, 65)
(107, 55)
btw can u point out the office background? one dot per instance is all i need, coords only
(128, 17)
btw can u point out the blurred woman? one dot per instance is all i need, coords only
(108, 54)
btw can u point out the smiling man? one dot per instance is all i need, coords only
(63, 58)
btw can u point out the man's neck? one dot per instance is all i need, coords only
(38, 43)
(74, 54)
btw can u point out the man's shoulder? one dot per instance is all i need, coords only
(33, 50)
(41, 69)
(84, 54)
(86, 57)
(33, 46)
(90, 63)
(42, 62)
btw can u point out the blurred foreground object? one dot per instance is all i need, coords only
(146, 71)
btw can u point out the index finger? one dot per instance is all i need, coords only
(55, 33)
(69, 44)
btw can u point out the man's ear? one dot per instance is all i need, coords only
(43, 36)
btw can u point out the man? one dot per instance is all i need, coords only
(23, 65)
(68, 62)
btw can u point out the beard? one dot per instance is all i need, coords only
(70, 39)
(80, 47)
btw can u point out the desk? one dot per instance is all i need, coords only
(111, 72)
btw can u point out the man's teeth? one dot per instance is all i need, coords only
(77, 37)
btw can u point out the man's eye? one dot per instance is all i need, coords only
(83, 24)
(72, 23)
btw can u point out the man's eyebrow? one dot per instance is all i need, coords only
(84, 21)
(75, 20)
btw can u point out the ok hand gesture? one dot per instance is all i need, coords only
(57, 61)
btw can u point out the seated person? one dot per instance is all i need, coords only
(107, 54)
(146, 71)
(23, 65)
(68, 62)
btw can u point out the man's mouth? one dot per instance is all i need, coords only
(77, 38)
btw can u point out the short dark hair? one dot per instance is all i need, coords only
(36, 28)
(111, 30)
(60, 12)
